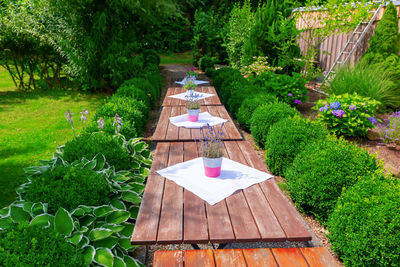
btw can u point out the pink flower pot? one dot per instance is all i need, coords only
(212, 166)
(193, 114)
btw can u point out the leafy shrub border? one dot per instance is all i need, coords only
(101, 232)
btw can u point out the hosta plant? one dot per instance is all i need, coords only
(347, 115)
(102, 231)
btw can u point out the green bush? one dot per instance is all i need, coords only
(29, 245)
(364, 227)
(238, 92)
(89, 145)
(210, 72)
(206, 62)
(249, 104)
(235, 79)
(288, 89)
(151, 57)
(265, 116)
(348, 115)
(287, 138)
(68, 187)
(149, 93)
(366, 80)
(130, 110)
(321, 171)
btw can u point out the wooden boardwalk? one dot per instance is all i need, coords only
(261, 257)
(166, 131)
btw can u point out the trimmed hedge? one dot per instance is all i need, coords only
(206, 62)
(249, 104)
(321, 171)
(364, 227)
(267, 115)
(287, 138)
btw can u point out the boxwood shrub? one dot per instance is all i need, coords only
(31, 245)
(210, 72)
(236, 80)
(150, 93)
(267, 115)
(206, 62)
(287, 138)
(249, 104)
(223, 74)
(238, 92)
(89, 145)
(129, 89)
(364, 226)
(321, 171)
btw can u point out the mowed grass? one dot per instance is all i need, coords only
(6, 83)
(177, 58)
(32, 126)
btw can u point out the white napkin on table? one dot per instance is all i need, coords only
(197, 82)
(204, 119)
(234, 176)
(199, 95)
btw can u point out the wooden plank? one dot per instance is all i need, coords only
(195, 218)
(259, 257)
(160, 160)
(229, 126)
(171, 258)
(199, 258)
(243, 223)
(175, 101)
(167, 99)
(162, 124)
(229, 257)
(146, 227)
(171, 218)
(318, 257)
(289, 257)
(173, 131)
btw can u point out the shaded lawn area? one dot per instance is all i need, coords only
(32, 126)
(6, 83)
(177, 58)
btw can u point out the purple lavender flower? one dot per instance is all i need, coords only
(101, 123)
(117, 123)
(290, 94)
(373, 120)
(338, 113)
(296, 101)
(335, 105)
(83, 117)
(352, 107)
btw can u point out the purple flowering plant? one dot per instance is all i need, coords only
(389, 129)
(117, 123)
(211, 143)
(193, 101)
(347, 114)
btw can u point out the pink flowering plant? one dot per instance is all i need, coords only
(389, 130)
(191, 73)
(347, 114)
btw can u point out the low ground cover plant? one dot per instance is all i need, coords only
(267, 115)
(389, 130)
(287, 138)
(322, 170)
(364, 224)
(249, 104)
(347, 115)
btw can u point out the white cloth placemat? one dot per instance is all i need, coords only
(199, 95)
(197, 82)
(234, 176)
(204, 119)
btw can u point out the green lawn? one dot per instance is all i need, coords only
(177, 58)
(32, 125)
(6, 83)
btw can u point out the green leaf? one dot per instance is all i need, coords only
(5, 223)
(108, 242)
(37, 209)
(90, 165)
(27, 206)
(118, 204)
(128, 230)
(101, 161)
(84, 242)
(131, 262)
(88, 254)
(116, 228)
(75, 238)
(104, 257)
(137, 187)
(41, 220)
(78, 212)
(102, 211)
(125, 243)
(63, 222)
(119, 262)
(4, 212)
(118, 216)
(134, 210)
(99, 233)
(87, 220)
(131, 196)
(36, 169)
(18, 214)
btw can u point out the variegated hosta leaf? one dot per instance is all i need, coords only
(114, 227)
(134, 210)
(75, 238)
(101, 161)
(18, 214)
(63, 222)
(99, 233)
(118, 204)
(128, 229)
(104, 257)
(5, 223)
(109, 242)
(102, 211)
(87, 220)
(4, 212)
(125, 243)
(38, 208)
(119, 262)
(88, 254)
(42, 220)
(131, 262)
(131, 196)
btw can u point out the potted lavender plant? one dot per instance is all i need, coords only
(193, 107)
(189, 86)
(211, 151)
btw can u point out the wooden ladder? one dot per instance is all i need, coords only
(354, 41)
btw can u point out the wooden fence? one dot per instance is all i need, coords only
(330, 48)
